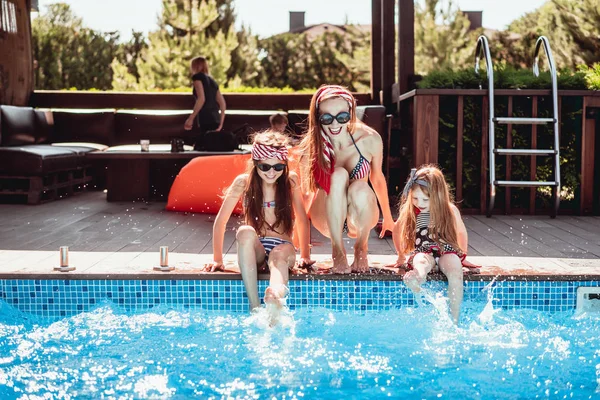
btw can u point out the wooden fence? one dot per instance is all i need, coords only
(422, 109)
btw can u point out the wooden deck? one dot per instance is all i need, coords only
(121, 241)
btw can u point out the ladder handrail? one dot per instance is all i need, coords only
(543, 41)
(483, 46)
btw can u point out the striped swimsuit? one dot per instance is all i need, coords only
(270, 242)
(362, 168)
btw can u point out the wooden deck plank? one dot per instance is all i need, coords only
(527, 246)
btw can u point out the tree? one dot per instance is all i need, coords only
(69, 55)
(186, 30)
(572, 26)
(442, 37)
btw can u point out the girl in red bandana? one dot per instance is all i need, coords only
(272, 202)
(341, 156)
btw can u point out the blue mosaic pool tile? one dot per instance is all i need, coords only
(57, 298)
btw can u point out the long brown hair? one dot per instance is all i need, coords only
(312, 144)
(254, 213)
(442, 226)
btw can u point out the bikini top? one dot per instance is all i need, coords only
(363, 167)
(269, 204)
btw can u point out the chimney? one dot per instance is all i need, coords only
(296, 20)
(475, 18)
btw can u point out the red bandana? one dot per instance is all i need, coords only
(264, 152)
(323, 175)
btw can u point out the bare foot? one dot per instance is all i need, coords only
(340, 263)
(411, 280)
(274, 304)
(361, 261)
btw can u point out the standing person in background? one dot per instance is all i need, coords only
(340, 156)
(209, 109)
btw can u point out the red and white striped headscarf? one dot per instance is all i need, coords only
(264, 152)
(323, 177)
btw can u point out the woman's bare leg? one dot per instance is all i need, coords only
(328, 213)
(250, 252)
(451, 266)
(363, 214)
(422, 265)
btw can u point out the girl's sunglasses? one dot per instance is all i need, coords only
(327, 119)
(267, 167)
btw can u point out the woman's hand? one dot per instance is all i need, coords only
(214, 267)
(189, 123)
(304, 266)
(386, 225)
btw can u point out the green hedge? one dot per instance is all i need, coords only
(510, 78)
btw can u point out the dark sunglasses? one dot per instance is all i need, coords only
(327, 119)
(267, 167)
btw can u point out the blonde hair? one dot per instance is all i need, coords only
(442, 226)
(199, 64)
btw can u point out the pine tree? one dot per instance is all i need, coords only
(442, 37)
(187, 28)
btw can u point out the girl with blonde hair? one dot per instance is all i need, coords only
(430, 234)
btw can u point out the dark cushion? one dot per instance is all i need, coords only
(374, 116)
(84, 126)
(156, 126)
(44, 126)
(37, 159)
(18, 125)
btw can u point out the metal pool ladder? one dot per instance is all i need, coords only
(483, 47)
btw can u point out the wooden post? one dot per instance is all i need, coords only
(388, 55)
(406, 44)
(509, 145)
(485, 115)
(16, 60)
(426, 132)
(587, 157)
(376, 23)
(533, 161)
(459, 148)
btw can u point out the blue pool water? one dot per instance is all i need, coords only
(409, 352)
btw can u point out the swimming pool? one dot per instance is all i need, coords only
(153, 339)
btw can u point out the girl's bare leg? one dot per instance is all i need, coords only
(422, 265)
(363, 214)
(250, 253)
(451, 266)
(281, 259)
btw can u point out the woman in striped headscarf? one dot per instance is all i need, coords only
(272, 202)
(341, 156)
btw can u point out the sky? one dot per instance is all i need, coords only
(269, 17)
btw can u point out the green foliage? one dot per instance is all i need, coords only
(442, 37)
(504, 78)
(592, 76)
(67, 54)
(300, 61)
(187, 28)
(572, 26)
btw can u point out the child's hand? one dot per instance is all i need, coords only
(214, 267)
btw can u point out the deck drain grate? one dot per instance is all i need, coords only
(588, 299)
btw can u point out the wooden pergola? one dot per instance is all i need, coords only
(16, 60)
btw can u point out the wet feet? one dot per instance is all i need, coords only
(361, 261)
(340, 264)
